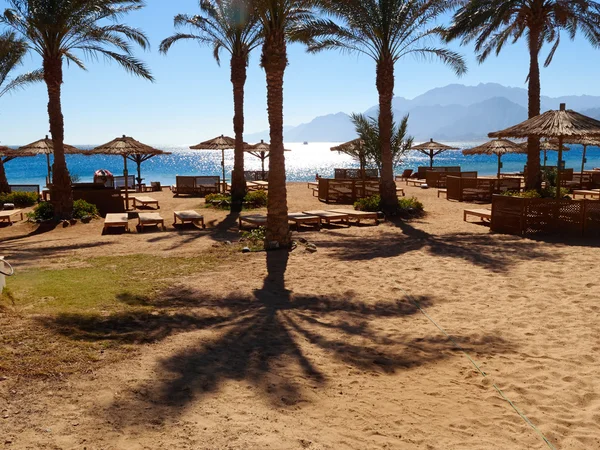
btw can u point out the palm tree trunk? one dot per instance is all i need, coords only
(385, 87)
(60, 191)
(274, 61)
(4, 186)
(238, 182)
(534, 180)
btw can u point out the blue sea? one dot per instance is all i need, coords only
(302, 163)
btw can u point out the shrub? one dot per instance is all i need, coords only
(255, 239)
(43, 211)
(408, 207)
(256, 199)
(81, 208)
(20, 198)
(525, 194)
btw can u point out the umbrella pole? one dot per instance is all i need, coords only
(126, 175)
(262, 160)
(499, 164)
(223, 166)
(560, 146)
(583, 164)
(139, 171)
(431, 159)
(545, 157)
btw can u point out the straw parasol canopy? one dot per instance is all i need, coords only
(128, 148)
(354, 148)
(547, 145)
(562, 124)
(586, 142)
(46, 147)
(261, 151)
(432, 149)
(7, 154)
(498, 147)
(219, 143)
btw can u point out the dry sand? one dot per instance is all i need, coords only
(327, 352)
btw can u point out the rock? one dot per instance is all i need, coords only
(246, 250)
(227, 243)
(86, 219)
(73, 221)
(303, 241)
(65, 223)
(312, 248)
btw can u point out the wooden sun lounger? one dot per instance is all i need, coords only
(313, 185)
(257, 185)
(586, 192)
(5, 216)
(358, 215)
(116, 220)
(150, 219)
(328, 216)
(258, 220)
(415, 182)
(484, 214)
(301, 219)
(189, 216)
(144, 201)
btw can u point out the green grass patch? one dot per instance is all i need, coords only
(59, 321)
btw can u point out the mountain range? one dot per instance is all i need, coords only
(452, 113)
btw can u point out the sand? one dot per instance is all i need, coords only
(327, 351)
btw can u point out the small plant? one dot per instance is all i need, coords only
(81, 209)
(22, 199)
(43, 211)
(407, 207)
(256, 199)
(525, 194)
(255, 239)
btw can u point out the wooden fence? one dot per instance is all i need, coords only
(479, 189)
(345, 191)
(530, 216)
(355, 174)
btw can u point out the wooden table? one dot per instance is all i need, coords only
(189, 216)
(5, 216)
(585, 192)
(150, 219)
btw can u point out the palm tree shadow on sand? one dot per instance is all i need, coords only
(270, 340)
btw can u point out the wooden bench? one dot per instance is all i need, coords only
(443, 191)
(189, 216)
(145, 201)
(484, 214)
(586, 192)
(116, 220)
(302, 219)
(257, 220)
(329, 216)
(5, 216)
(358, 215)
(150, 219)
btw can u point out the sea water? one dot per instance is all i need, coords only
(303, 162)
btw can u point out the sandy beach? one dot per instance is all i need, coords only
(329, 350)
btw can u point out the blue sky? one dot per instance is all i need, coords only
(191, 99)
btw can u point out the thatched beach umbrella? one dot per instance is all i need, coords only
(587, 142)
(562, 124)
(261, 151)
(219, 143)
(46, 147)
(547, 145)
(432, 149)
(6, 155)
(355, 149)
(496, 147)
(126, 147)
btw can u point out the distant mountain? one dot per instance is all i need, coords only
(454, 112)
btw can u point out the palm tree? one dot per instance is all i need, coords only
(55, 29)
(493, 23)
(367, 129)
(229, 25)
(386, 31)
(278, 19)
(12, 52)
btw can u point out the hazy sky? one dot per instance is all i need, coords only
(191, 99)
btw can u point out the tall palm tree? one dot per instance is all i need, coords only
(278, 19)
(386, 31)
(55, 29)
(493, 23)
(229, 25)
(12, 52)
